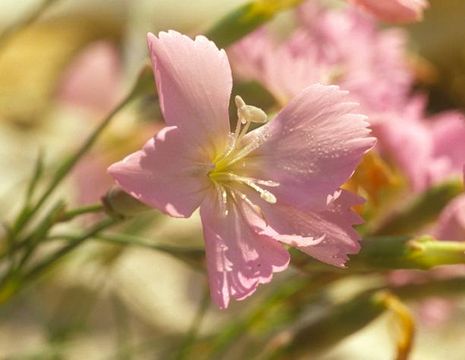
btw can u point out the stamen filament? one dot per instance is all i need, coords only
(251, 182)
(246, 115)
(222, 199)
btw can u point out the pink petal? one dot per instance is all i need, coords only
(312, 147)
(371, 66)
(166, 174)
(194, 84)
(258, 57)
(451, 223)
(238, 259)
(435, 311)
(448, 133)
(435, 143)
(93, 80)
(403, 140)
(395, 11)
(248, 54)
(326, 235)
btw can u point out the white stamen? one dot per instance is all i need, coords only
(251, 182)
(264, 194)
(222, 199)
(248, 113)
(222, 175)
(255, 208)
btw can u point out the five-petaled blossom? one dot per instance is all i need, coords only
(257, 190)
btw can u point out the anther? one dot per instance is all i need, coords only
(248, 113)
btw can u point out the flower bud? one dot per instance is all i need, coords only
(119, 204)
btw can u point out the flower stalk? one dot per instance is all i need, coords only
(395, 252)
(69, 163)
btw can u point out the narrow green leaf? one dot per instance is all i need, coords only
(36, 176)
(421, 211)
(332, 326)
(68, 164)
(246, 19)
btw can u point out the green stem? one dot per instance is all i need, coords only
(186, 346)
(441, 287)
(192, 256)
(391, 253)
(335, 324)
(246, 19)
(88, 209)
(40, 232)
(29, 243)
(38, 269)
(421, 211)
(57, 216)
(342, 320)
(69, 163)
(13, 283)
(36, 175)
(285, 303)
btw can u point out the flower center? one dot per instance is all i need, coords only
(224, 176)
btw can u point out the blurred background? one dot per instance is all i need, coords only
(58, 77)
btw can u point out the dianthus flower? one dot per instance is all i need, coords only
(372, 66)
(435, 142)
(257, 190)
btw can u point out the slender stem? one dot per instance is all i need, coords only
(423, 210)
(40, 233)
(60, 216)
(190, 337)
(12, 283)
(30, 243)
(344, 319)
(192, 256)
(69, 163)
(393, 252)
(36, 175)
(334, 324)
(88, 209)
(53, 258)
(288, 301)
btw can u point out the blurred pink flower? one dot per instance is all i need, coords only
(451, 223)
(276, 184)
(93, 81)
(394, 11)
(427, 150)
(371, 65)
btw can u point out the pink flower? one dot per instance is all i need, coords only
(435, 143)
(275, 185)
(451, 223)
(93, 80)
(394, 11)
(371, 66)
